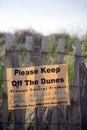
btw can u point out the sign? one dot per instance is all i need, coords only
(37, 86)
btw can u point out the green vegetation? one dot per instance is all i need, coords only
(19, 41)
(31, 125)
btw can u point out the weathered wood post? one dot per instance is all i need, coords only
(83, 94)
(17, 113)
(58, 111)
(39, 111)
(62, 109)
(61, 49)
(27, 63)
(7, 64)
(28, 49)
(75, 117)
(44, 48)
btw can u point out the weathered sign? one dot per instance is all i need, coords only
(37, 86)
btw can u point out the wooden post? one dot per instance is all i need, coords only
(44, 48)
(75, 102)
(27, 63)
(83, 94)
(58, 112)
(17, 113)
(40, 111)
(61, 48)
(28, 49)
(8, 63)
(61, 112)
(64, 109)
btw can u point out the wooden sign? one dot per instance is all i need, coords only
(37, 86)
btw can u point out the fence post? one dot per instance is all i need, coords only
(27, 62)
(75, 117)
(44, 48)
(61, 49)
(17, 113)
(62, 109)
(28, 49)
(83, 94)
(7, 64)
(39, 112)
(58, 111)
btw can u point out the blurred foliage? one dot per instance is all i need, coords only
(1, 73)
(19, 41)
(52, 49)
(31, 125)
(84, 48)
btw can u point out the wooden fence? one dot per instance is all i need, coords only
(47, 118)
